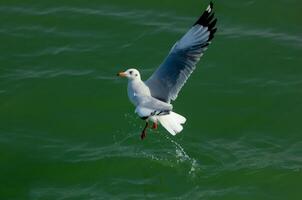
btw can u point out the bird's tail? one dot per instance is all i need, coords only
(172, 122)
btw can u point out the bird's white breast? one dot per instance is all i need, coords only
(137, 87)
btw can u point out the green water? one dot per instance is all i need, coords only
(67, 130)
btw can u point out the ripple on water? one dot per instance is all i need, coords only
(252, 154)
(78, 191)
(19, 74)
(60, 50)
(245, 153)
(199, 192)
(163, 22)
(279, 37)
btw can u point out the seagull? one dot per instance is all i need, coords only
(152, 98)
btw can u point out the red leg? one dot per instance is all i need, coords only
(155, 125)
(144, 133)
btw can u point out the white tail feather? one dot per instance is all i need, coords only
(172, 122)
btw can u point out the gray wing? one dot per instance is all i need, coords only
(166, 82)
(153, 103)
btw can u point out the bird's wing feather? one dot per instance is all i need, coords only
(166, 82)
(153, 103)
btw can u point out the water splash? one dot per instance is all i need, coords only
(182, 156)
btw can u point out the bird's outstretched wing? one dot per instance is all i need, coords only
(166, 82)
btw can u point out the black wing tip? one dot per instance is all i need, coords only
(211, 4)
(207, 19)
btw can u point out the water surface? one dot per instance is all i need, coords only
(67, 130)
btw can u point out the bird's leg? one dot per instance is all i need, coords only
(155, 125)
(143, 135)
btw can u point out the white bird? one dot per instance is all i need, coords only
(152, 98)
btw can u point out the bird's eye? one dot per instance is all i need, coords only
(135, 74)
(130, 72)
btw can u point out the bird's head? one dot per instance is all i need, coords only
(131, 74)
